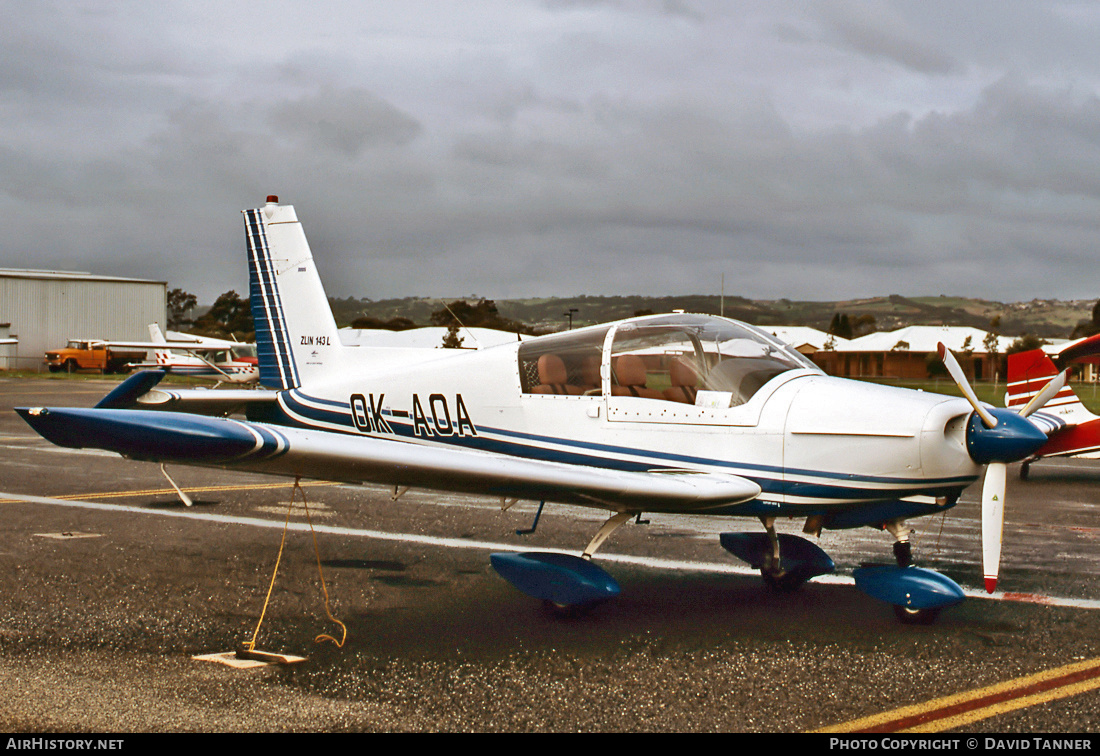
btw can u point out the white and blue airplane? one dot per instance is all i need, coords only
(681, 413)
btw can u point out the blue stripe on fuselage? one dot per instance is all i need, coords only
(769, 477)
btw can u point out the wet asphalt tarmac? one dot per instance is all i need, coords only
(112, 587)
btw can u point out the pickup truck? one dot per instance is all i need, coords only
(90, 354)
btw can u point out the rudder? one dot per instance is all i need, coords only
(296, 334)
(1028, 373)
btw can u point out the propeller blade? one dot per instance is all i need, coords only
(957, 375)
(993, 517)
(1047, 393)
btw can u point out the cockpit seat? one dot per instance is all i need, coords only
(590, 373)
(629, 373)
(685, 383)
(553, 377)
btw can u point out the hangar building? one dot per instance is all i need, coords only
(46, 308)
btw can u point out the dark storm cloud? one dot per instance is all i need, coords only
(879, 31)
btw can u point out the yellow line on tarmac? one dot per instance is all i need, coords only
(171, 491)
(973, 706)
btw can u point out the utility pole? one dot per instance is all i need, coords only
(569, 315)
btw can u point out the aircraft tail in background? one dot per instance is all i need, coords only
(1028, 373)
(162, 356)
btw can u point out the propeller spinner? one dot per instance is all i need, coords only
(996, 437)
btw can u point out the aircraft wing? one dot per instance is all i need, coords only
(171, 346)
(195, 439)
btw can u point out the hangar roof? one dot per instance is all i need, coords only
(68, 275)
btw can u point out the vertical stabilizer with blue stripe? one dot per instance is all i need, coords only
(296, 335)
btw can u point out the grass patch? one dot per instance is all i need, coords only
(993, 393)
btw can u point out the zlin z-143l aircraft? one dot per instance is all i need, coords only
(679, 413)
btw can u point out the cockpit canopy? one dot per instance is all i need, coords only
(694, 359)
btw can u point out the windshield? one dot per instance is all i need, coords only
(697, 359)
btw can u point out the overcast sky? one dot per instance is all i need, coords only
(516, 148)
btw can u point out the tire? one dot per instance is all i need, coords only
(788, 582)
(907, 616)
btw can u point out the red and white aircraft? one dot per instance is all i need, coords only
(1072, 429)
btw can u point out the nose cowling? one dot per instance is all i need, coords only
(1013, 438)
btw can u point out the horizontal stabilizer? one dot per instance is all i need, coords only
(126, 393)
(219, 402)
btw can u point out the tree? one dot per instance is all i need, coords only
(1088, 327)
(180, 303)
(864, 324)
(1025, 343)
(484, 314)
(840, 326)
(992, 339)
(229, 318)
(393, 324)
(451, 340)
(992, 342)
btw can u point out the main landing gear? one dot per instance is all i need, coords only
(787, 561)
(569, 583)
(564, 582)
(916, 594)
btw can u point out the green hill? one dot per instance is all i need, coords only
(1044, 318)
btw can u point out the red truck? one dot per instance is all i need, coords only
(90, 354)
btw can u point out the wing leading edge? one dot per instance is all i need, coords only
(256, 447)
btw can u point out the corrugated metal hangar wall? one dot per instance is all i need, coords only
(47, 308)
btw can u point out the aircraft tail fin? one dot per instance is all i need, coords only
(1028, 373)
(296, 334)
(163, 356)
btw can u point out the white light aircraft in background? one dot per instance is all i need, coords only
(202, 357)
(680, 413)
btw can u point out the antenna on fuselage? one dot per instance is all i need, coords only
(459, 321)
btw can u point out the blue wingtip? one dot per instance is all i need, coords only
(148, 435)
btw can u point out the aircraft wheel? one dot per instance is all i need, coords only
(788, 582)
(1025, 468)
(564, 611)
(909, 616)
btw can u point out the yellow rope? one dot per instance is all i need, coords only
(321, 574)
(251, 645)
